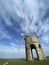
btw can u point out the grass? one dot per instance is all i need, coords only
(22, 62)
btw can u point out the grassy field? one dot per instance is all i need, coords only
(23, 62)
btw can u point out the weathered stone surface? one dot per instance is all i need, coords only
(31, 42)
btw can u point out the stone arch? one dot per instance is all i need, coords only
(33, 47)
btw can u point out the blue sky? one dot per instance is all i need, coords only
(15, 16)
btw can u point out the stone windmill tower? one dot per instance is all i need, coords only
(31, 42)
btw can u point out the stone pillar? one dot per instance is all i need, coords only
(28, 53)
(40, 53)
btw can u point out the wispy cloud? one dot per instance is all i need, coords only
(16, 15)
(11, 52)
(4, 35)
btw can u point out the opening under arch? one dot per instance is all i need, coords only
(34, 52)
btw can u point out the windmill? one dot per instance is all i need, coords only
(31, 42)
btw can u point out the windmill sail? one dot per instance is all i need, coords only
(28, 26)
(25, 33)
(27, 29)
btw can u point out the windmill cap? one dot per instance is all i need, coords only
(30, 35)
